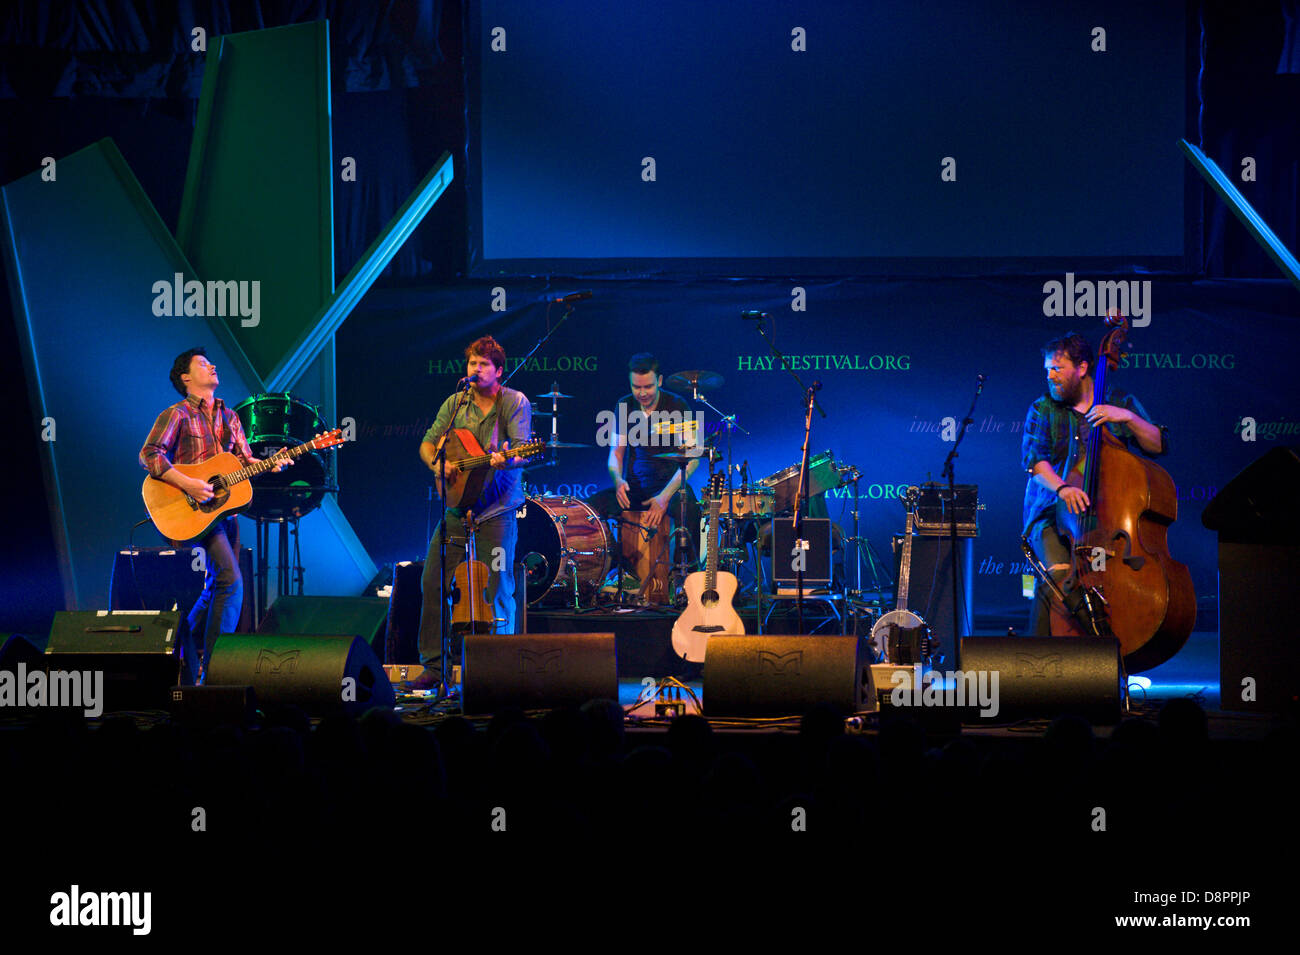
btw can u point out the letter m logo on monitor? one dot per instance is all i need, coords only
(268, 661)
(546, 661)
(780, 664)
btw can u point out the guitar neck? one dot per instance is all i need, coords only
(905, 574)
(253, 470)
(470, 462)
(711, 565)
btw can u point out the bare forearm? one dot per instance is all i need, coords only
(1046, 475)
(1148, 435)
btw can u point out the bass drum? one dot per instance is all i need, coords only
(561, 540)
(278, 421)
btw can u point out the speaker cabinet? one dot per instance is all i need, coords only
(537, 671)
(1259, 561)
(136, 652)
(930, 588)
(817, 567)
(786, 675)
(320, 673)
(1048, 677)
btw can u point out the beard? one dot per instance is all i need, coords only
(1068, 393)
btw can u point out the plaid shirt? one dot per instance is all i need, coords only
(183, 435)
(1055, 433)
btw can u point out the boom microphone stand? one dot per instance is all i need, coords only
(810, 402)
(950, 473)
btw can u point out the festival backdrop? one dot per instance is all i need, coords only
(895, 358)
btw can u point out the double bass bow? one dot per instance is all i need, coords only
(1122, 581)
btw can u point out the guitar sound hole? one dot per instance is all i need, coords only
(709, 598)
(220, 494)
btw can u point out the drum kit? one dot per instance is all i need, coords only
(569, 550)
(271, 422)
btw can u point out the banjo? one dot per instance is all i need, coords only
(900, 626)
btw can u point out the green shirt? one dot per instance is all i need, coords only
(511, 419)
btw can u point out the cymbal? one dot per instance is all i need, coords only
(540, 413)
(554, 394)
(566, 444)
(679, 458)
(695, 380)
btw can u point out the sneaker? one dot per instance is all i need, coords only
(428, 680)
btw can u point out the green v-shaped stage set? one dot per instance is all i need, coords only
(84, 248)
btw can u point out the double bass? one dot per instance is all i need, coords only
(1122, 581)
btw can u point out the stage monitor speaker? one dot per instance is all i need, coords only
(136, 652)
(1047, 677)
(786, 675)
(929, 592)
(160, 578)
(322, 673)
(537, 671)
(362, 617)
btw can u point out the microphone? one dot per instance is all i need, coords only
(467, 383)
(754, 316)
(983, 378)
(571, 297)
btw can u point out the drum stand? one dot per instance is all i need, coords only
(282, 567)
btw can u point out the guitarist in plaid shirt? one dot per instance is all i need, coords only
(190, 431)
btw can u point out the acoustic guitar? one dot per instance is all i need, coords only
(467, 465)
(709, 595)
(180, 517)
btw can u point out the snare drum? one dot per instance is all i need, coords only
(562, 540)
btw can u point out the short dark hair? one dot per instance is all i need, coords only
(642, 363)
(1075, 347)
(489, 348)
(181, 366)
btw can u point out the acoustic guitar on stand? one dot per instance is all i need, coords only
(180, 517)
(709, 594)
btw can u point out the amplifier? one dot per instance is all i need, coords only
(934, 510)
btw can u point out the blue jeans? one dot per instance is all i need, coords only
(498, 532)
(223, 593)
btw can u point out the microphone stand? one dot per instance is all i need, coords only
(800, 498)
(441, 460)
(950, 473)
(540, 342)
